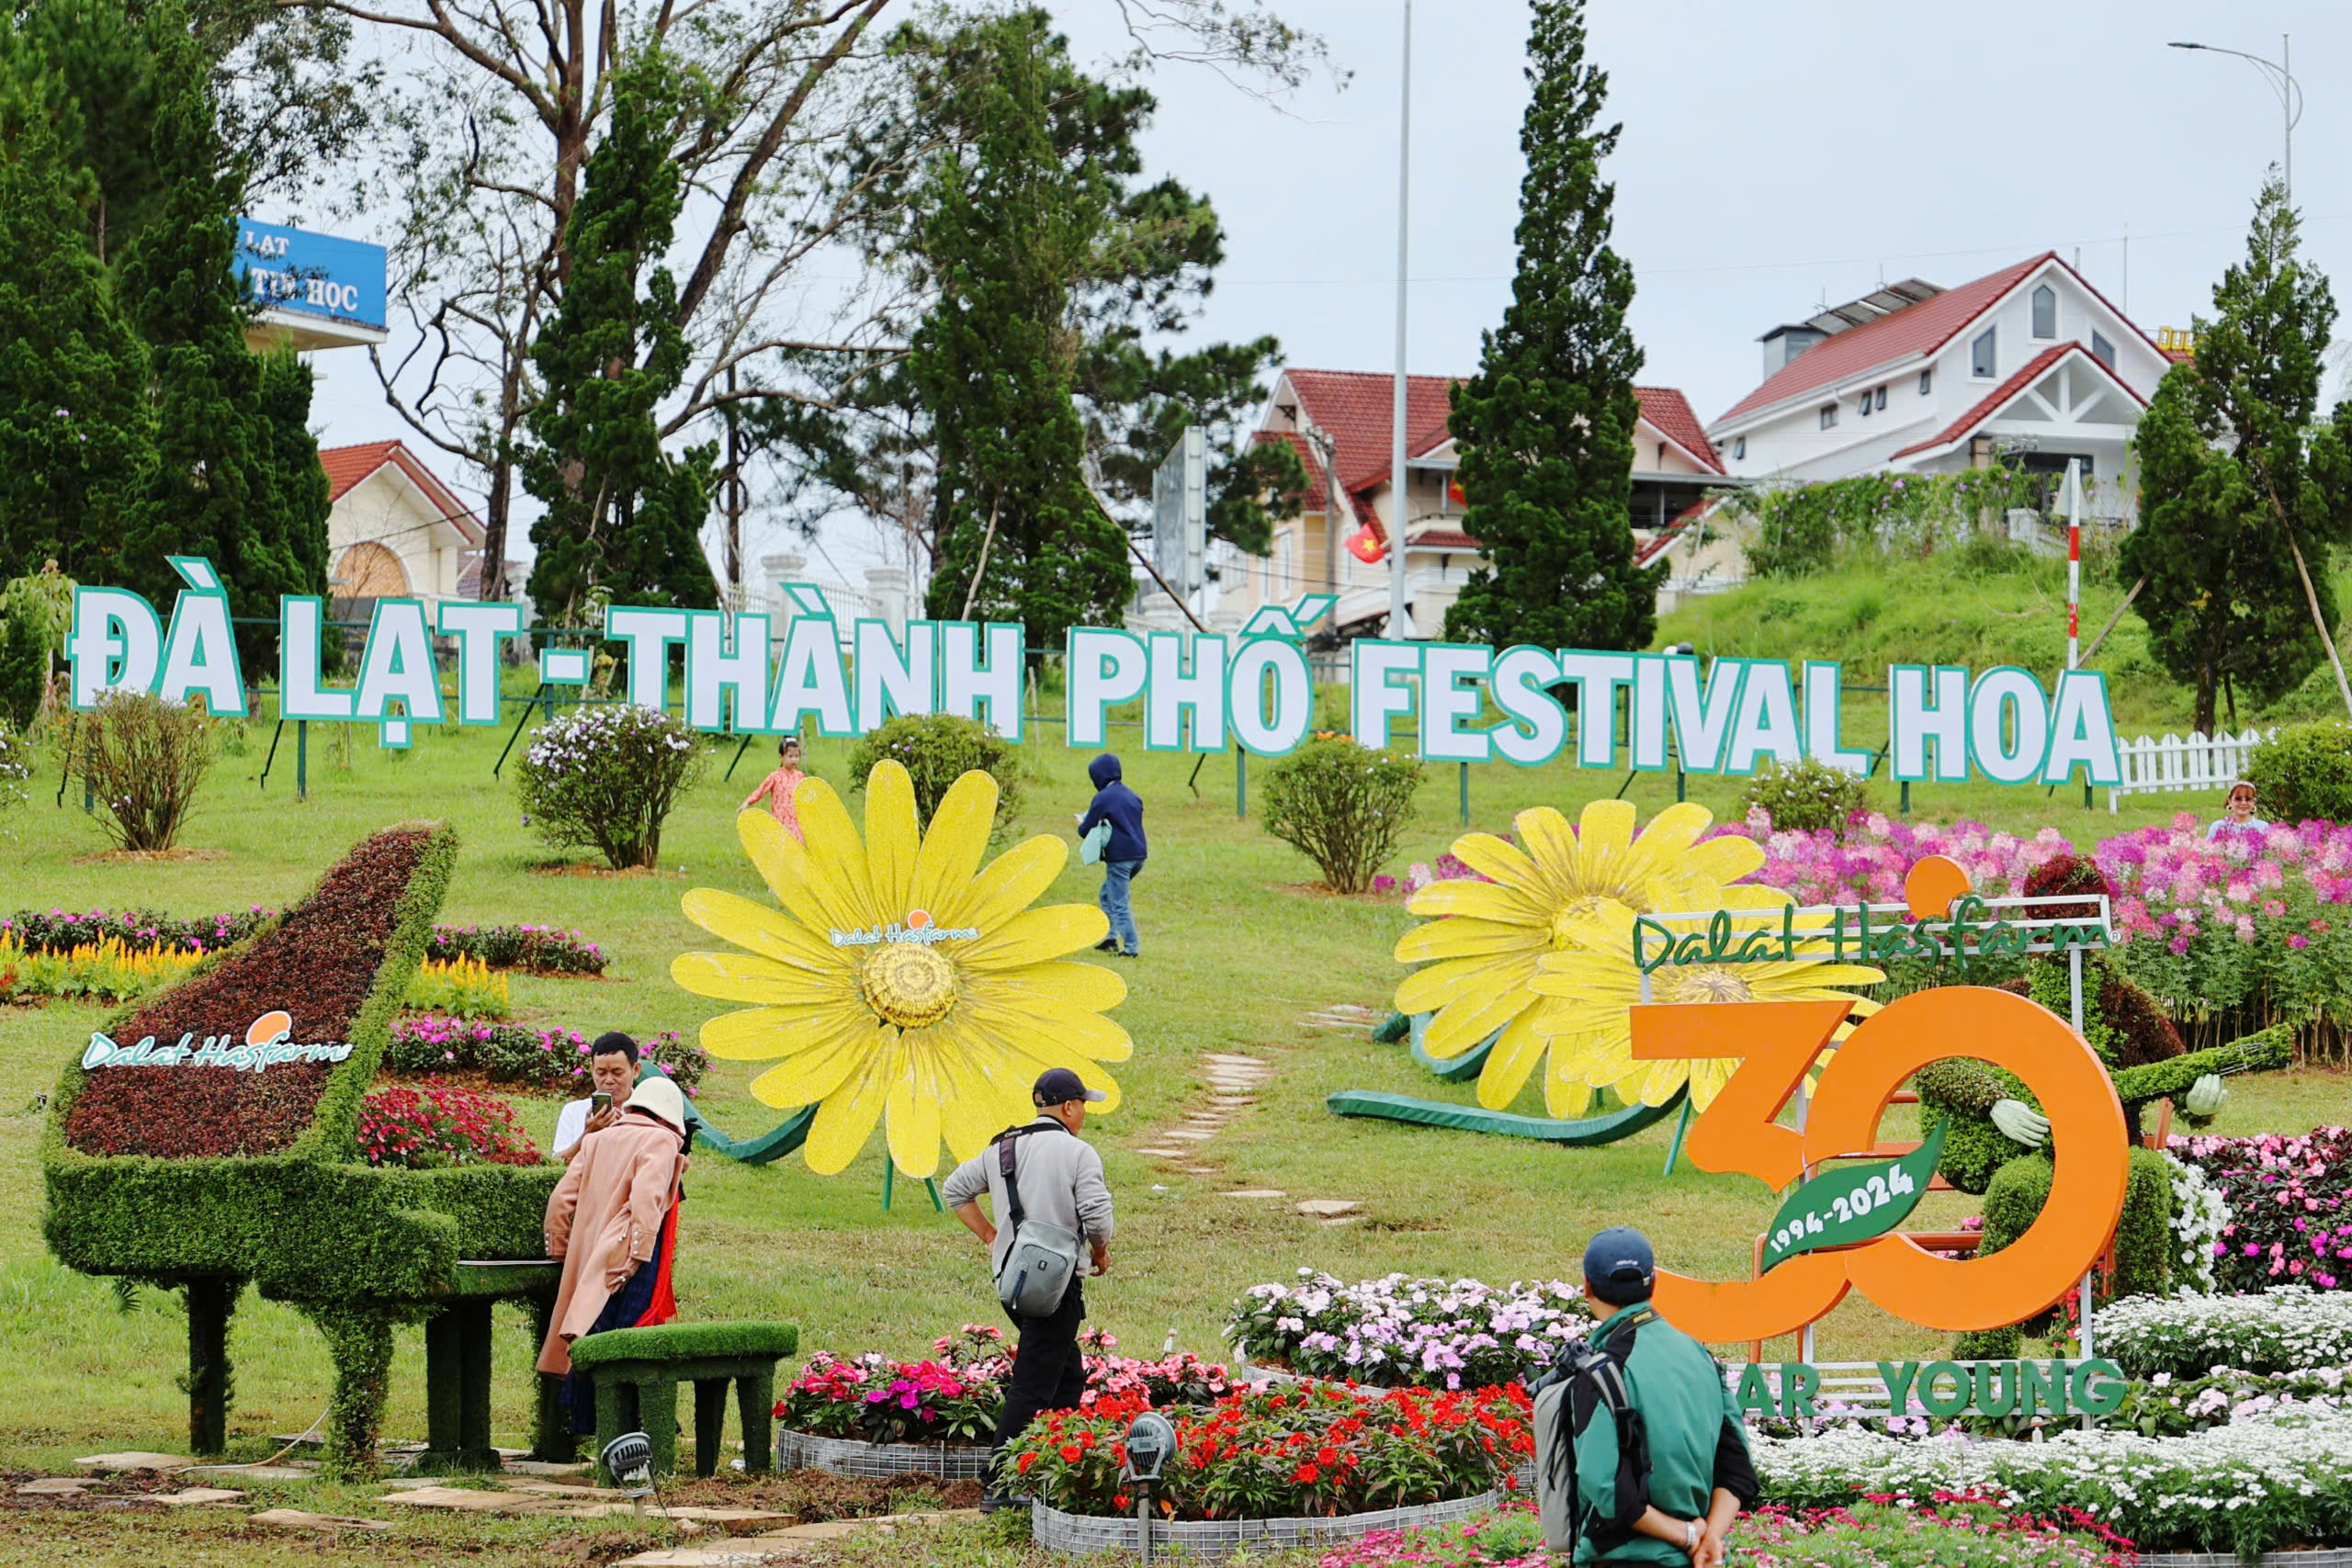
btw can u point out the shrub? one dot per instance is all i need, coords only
(1808, 796)
(140, 757)
(60, 930)
(509, 1053)
(15, 766)
(2289, 1200)
(1287, 1453)
(24, 672)
(463, 988)
(2305, 774)
(1343, 807)
(937, 749)
(2286, 1328)
(437, 1126)
(605, 778)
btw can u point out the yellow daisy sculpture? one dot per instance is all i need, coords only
(1482, 949)
(899, 980)
(1589, 989)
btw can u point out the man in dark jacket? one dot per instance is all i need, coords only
(1122, 857)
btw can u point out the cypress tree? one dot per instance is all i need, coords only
(75, 437)
(235, 476)
(2238, 480)
(621, 514)
(1006, 226)
(1546, 429)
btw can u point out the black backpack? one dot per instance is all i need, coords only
(1585, 1386)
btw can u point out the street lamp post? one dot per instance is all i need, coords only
(2290, 97)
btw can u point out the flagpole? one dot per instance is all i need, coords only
(1398, 495)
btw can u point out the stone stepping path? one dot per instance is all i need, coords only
(775, 1546)
(303, 1519)
(1342, 1015)
(1234, 1082)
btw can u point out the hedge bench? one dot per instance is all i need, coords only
(636, 1373)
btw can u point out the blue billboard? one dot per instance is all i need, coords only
(312, 275)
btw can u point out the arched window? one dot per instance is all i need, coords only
(369, 570)
(2045, 311)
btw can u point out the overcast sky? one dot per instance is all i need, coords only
(1776, 156)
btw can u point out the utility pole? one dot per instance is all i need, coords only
(732, 547)
(1398, 496)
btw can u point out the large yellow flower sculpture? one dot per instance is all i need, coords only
(1589, 989)
(900, 981)
(1483, 949)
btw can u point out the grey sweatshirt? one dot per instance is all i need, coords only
(1061, 1184)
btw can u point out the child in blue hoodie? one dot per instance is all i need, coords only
(1123, 856)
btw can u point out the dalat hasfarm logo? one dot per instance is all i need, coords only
(916, 930)
(267, 1044)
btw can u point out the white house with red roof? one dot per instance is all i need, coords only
(395, 530)
(1338, 422)
(2029, 366)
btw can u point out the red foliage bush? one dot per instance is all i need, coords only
(434, 1126)
(318, 965)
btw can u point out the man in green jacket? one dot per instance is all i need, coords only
(1700, 1472)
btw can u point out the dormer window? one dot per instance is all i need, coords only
(2045, 311)
(1829, 416)
(1981, 358)
(2102, 350)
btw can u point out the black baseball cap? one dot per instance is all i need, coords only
(1060, 1085)
(1619, 1266)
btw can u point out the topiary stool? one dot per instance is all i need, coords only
(636, 1373)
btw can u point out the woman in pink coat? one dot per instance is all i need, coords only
(614, 1222)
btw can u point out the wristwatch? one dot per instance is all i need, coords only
(1690, 1542)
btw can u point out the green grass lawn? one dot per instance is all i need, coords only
(1236, 955)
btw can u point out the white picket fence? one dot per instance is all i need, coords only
(2174, 763)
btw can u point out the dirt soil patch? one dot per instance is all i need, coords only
(150, 857)
(586, 868)
(814, 1496)
(1323, 890)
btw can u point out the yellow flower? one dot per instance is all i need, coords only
(939, 1035)
(1588, 989)
(1491, 935)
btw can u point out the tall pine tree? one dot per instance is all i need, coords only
(622, 513)
(1008, 222)
(235, 476)
(2242, 495)
(1546, 429)
(75, 439)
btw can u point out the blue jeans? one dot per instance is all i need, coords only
(1116, 874)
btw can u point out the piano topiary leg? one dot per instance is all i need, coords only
(657, 1417)
(360, 1340)
(552, 1440)
(209, 1303)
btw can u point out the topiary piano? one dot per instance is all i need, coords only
(204, 1140)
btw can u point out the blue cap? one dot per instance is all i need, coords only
(1060, 1085)
(1619, 1266)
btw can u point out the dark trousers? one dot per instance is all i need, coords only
(1048, 1372)
(623, 1308)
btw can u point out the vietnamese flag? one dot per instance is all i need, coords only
(1365, 546)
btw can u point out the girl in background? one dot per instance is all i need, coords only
(777, 787)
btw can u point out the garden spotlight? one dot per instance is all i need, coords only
(1151, 1442)
(627, 1461)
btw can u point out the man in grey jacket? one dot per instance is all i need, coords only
(1060, 1180)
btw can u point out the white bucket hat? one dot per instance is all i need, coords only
(660, 1097)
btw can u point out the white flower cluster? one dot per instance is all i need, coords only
(576, 738)
(2203, 1210)
(1395, 1329)
(2260, 1482)
(2285, 1329)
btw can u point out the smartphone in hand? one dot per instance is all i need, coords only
(599, 1103)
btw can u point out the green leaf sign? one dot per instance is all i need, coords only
(1851, 1203)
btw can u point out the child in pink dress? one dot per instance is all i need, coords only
(777, 787)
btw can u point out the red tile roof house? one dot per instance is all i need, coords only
(396, 530)
(2030, 365)
(1338, 422)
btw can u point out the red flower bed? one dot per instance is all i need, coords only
(318, 965)
(1300, 1452)
(425, 1129)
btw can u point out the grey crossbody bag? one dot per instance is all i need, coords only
(1043, 1259)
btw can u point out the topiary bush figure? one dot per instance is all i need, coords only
(1804, 797)
(1995, 1134)
(2305, 774)
(1342, 805)
(937, 749)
